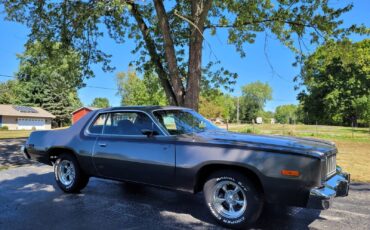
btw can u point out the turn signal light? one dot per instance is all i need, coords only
(294, 173)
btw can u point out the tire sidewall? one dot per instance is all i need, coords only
(254, 204)
(71, 187)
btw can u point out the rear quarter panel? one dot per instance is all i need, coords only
(41, 143)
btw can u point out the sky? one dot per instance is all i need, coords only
(269, 62)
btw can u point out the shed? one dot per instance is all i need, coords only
(79, 113)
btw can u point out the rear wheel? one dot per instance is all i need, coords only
(68, 174)
(232, 199)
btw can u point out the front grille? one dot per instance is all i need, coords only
(331, 165)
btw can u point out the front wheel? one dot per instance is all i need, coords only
(68, 174)
(232, 199)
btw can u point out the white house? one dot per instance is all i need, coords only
(17, 117)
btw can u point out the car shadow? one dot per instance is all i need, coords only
(272, 216)
(35, 201)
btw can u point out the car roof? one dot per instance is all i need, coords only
(148, 108)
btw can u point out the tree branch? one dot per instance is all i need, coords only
(258, 22)
(155, 58)
(169, 50)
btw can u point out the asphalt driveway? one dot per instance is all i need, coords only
(30, 199)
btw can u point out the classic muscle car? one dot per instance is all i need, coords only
(177, 148)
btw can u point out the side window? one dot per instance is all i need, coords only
(97, 126)
(129, 123)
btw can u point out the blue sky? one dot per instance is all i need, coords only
(253, 67)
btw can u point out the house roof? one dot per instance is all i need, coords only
(85, 107)
(24, 111)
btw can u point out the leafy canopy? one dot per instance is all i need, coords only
(47, 80)
(286, 114)
(253, 99)
(336, 80)
(169, 36)
(140, 91)
(100, 102)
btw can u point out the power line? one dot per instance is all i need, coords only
(87, 86)
(2, 75)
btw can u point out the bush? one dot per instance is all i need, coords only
(249, 130)
(4, 128)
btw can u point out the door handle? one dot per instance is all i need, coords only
(102, 144)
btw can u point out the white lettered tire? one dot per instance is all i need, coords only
(232, 199)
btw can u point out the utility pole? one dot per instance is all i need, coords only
(237, 111)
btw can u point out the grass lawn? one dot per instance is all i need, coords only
(6, 134)
(353, 144)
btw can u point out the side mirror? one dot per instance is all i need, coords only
(149, 132)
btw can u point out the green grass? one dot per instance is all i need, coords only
(3, 167)
(353, 143)
(6, 134)
(319, 131)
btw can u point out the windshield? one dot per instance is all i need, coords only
(183, 121)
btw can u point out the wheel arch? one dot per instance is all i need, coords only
(54, 152)
(206, 170)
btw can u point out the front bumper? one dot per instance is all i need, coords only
(336, 186)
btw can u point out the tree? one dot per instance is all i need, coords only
(49, 80)
(253, 99)
(286, 114)
(9, 92)
(137, 91)
(336, 78)
(169, 37)
(215, 104)
(100, 102)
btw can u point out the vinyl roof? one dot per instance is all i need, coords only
(145, 108)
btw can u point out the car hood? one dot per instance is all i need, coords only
(308, 146)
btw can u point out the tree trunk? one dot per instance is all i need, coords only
(150, 45)
(199, 11)
(169, 50)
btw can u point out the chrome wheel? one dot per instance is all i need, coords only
(66, 172)
(229, 199)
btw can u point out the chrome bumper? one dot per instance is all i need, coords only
(337, 186)
(23, 150)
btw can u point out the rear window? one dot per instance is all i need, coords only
(97, 126)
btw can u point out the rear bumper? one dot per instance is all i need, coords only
(337, 186)
(23, 150)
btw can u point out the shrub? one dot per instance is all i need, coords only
(4, 127)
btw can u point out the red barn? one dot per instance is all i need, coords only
(79, 113)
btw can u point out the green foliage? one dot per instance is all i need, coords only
(4, 128)
(100, 102)
(266, 116)
(9, 92)
(337, 84)
(48, 80)
(286, 114)
(137, 91)
(214, 104)
(253, 99)
(79, 25)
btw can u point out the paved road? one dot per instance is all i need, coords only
(30, 199)
(9, 153)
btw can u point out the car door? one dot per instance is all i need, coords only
(123, 152)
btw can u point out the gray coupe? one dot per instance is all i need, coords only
(177, 148)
